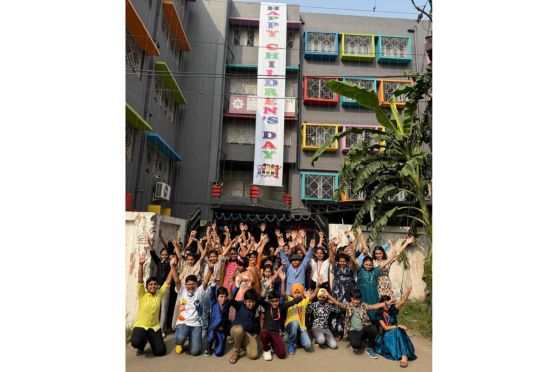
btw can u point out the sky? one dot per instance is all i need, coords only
(383, 8)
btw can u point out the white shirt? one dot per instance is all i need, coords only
(188, 307)
(320, 268)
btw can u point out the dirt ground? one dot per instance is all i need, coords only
(343, 359)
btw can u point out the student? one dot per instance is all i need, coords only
(343, 284)
(358, 327)
(394, 343)
(269, 281)
(162, 271)
(296, 270)
(245, 326)
(295, 321)
(320, 266)
(320, 312)
(271, 323)
(381, 259)
(218, 321)
(189, 323)
(146, 326)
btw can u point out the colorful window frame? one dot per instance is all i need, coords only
(346, 142)
(327, 183)
(311, 141)
(386, 87)
(310, 96)
(391, 49)
(350, 196)
(314, 42)
(353, 102)
(357, 42)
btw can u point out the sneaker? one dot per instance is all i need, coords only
(267, 355)
(372, 353)
(178, 349)
(208, 352)
(139, 352)
(291, 348)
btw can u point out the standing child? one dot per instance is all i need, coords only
(343, 283)
(394, 343)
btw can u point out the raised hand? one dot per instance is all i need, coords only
(358, 231)
(335, 240)
(312, 243)
(280, 241)
(262, 226)
(409, 240)
(307, 293)
(282, 275)
(142, 259)
(173, 260)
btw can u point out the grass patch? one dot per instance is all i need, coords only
(128, 335)
(416, 316)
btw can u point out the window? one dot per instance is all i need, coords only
(134, 55)
(158, 165)
(395, 47)
(316, 91)
(318, 186)
(130, 135)
(290, 39)
(357, 47)
(315, 135)
(386, 91)
(352, 139)
(162, 97)
(351, 195)
(245, 36)
(171, 44)
(321, 42)
(245, 86)
(363, 83)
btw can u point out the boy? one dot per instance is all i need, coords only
(271, 324)
(358, 327)
(190, 300)
(146, 326)
(218, 321)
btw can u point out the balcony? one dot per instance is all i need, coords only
(315, 135)
(316, 91)
(318, 186)
(321, 45)
(394, 49)
(366, 83)
(386, 88)
(357, 47)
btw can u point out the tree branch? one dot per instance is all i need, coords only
(422, 10)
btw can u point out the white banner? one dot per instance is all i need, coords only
(270, 106)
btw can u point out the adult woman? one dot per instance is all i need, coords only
(380, 259)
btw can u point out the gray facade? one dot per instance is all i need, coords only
(213, 140)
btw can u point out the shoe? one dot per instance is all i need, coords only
(234, 358)
(372, 353)
(139, 352)
(178, 349)
(208, 352)
(291, 348)
(267, 355)
(164, 335)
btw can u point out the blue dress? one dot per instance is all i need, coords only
(367, 284)
(395, 343)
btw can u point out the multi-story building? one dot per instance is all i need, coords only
(208, 142)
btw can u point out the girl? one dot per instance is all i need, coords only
(269, 281)
(380, 259)
(343, 284)
(320, 266)
(394, 343)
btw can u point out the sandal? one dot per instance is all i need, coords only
(234, 358)
(403, 364)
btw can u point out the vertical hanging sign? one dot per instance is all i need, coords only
(270, 105)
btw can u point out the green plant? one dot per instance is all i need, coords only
(417, 316)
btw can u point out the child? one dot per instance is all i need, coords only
(163, 269)
(245, 327)
(146, 325)
(343, 284)
(394, 343)
(269, 281)
(358, 327)
(321, 311)
(320, 266)
(271, 324)
(295, 321)
(190, 300)
(218, 321)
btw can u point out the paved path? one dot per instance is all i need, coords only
(340, 360)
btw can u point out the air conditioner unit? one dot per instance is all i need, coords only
(162, 191)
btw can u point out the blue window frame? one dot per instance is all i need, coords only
(318, 185)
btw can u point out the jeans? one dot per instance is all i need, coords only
(294, 332)
(324, 335)
(184, 332)
(141, 336)
(217, 337)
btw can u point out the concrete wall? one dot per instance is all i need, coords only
(141, 226)
(400, 277)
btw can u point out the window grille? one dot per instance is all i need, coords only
(250, 39)
(317, 135)
(354, 138)
(319, 186)
(319, 42)
(130, 135)
(366, 84)
(389, 88)
(171, 44)
(245, 86)
(357, 44)
(290, 39)
(395, 46)
(317, 88)
(158, 165)
(241, 133)
(351, 195)
(162, 97)
(245, 36)
(134, 55)
(236, 36)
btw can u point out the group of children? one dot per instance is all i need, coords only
(261, 296)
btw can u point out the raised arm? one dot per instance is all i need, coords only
(410, 240)
(140, 268)
(404, 297)
(283, 285)
(203, 252)
(172, 272)
(207, 276)
(321, 240)
(161, 238)
(332, 251)
(152, 252)
(302, 241)
(380, 305)
(335, 302)
(315, 291)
